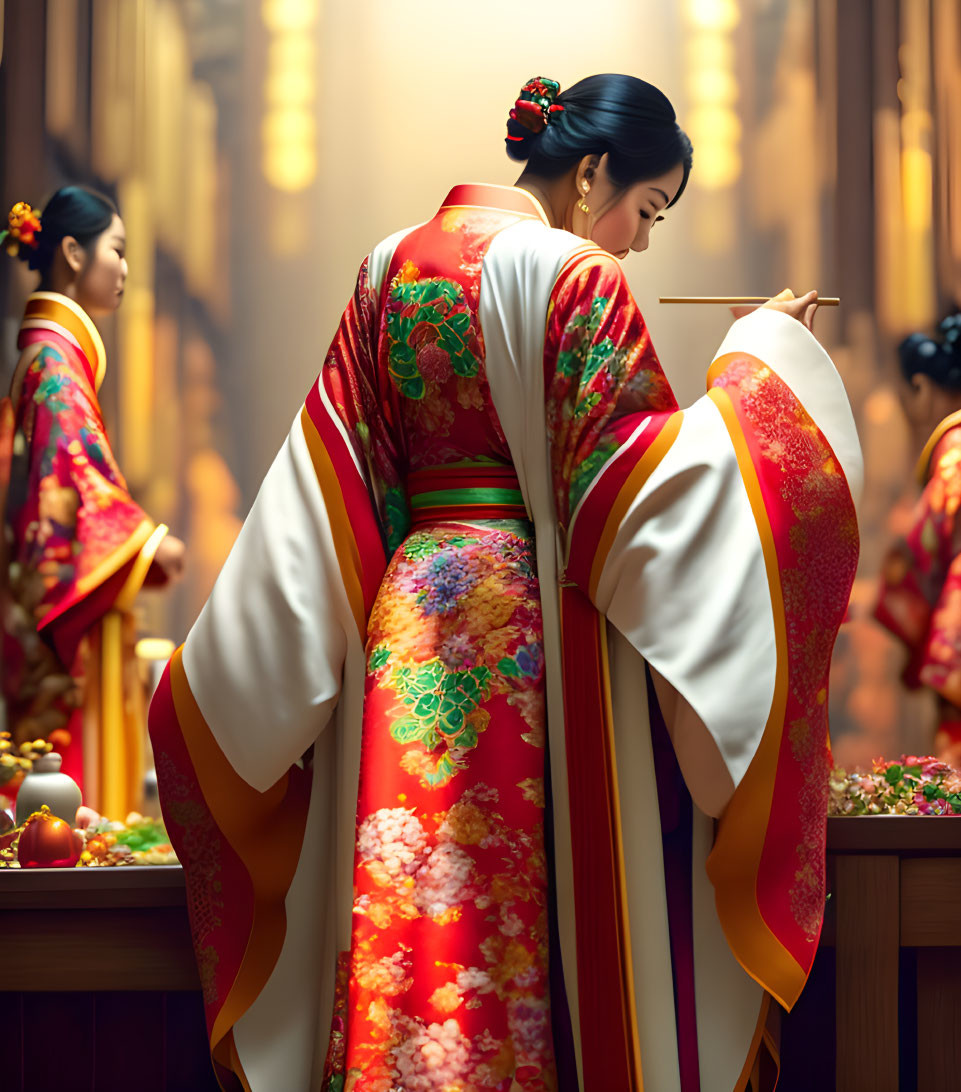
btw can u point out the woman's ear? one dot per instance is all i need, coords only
(73, 253)
(586, 172)
(923, 389)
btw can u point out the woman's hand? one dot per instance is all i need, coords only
(169, 559)
(801, 308)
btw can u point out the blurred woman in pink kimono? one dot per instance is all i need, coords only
(437, 824)
(76, 547)
(920, 600)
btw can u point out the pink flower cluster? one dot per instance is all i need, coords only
(434, 1058)
(908, 786)
(395, 838)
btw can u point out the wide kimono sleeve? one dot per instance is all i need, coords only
(721, 541)
(920, 599)
(245, 699)
(81, 544)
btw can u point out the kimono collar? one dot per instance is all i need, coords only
(62, 315)
(924, 463)
(486, 196)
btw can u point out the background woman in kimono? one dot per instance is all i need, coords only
(435, 833)
(76, 547)
(920, 598)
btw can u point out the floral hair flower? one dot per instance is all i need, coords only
(23, 226)
(535, 104)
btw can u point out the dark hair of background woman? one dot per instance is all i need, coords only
(78, 211)
(940, 359)
(622, 116)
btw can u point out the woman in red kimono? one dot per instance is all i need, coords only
(77, 548)
(435, 834)
(920, 599)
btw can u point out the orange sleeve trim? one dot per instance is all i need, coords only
(627, 951)
(141, 566)
(923, 468)
(60, 309)
(629, 490)
(236, 1066)
(735, 860)
(117, 559)
(345, 545)
(266, 835)
(102, 572)
(759, 1036)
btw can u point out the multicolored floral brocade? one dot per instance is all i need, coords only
(600, 369)
(448, 982)
(920, 600)
(72, 527)
(449, 976)
(815, 542)
(68, 504)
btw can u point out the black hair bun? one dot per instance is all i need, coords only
(622, 117)
(940, 360)
(75, 210)
(950, 329)
(530, 115)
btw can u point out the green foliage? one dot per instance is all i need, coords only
(397, 512)
(379, 657)
(439, 304)
(417, 549)
(439, 702)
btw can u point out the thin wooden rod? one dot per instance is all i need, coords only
(822, 301)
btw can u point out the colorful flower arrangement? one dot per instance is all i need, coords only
(44, 841)
(16, 761)
(23, 226)
(908, 786)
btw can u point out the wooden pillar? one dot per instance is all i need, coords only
(855, 178)
(867, 890)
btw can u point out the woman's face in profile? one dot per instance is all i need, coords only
(926, 403)
(910, 395)
(100, 284)
(624, 218)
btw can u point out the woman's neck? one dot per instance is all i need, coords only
(62, 288)
(548, 193)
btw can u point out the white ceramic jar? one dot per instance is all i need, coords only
(45, 784)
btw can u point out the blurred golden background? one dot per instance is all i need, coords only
(259, 148)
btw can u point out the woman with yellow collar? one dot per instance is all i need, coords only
(921, 580)
(77, 547)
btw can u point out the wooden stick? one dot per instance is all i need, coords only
(822, 301)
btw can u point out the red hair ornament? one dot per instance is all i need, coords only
(535, 104)
(23, 224)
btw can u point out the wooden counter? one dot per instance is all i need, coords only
(99, 986)
(104, 955)
(884, 1000)
(96, 929)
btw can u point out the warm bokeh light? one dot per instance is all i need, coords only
(281, 16)
(154, 648)
(720, 15)
(289, 128)
(706, 53)
(712, 87)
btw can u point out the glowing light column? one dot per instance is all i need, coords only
(712, 120)
(289, 127)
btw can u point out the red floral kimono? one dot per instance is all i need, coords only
(438, 830)
(77, 550)
(920, 600)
